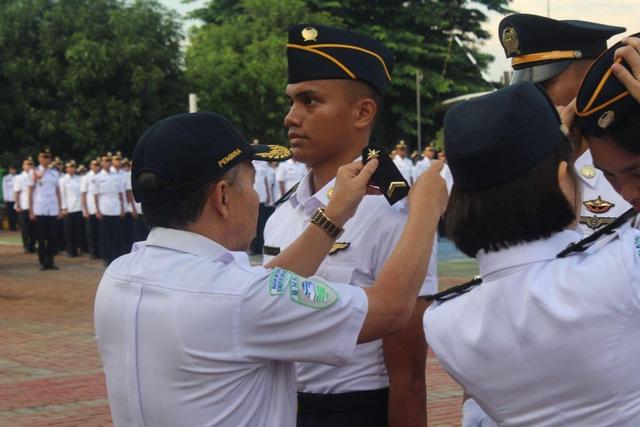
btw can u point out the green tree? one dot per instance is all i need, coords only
(236, 62)
(86, 76)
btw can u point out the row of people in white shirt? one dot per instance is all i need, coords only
(273, 180)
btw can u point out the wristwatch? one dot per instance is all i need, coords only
(320, 219)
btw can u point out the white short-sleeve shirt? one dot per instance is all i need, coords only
(357, 258)
(405, 166)
(87, 185)
(21, 185)
(548, 341)
(601, 204)
(259, 183)
(70, 193)
(7, 187)
(109, 188)
(290, 172)
(191, 335)
(45, 199)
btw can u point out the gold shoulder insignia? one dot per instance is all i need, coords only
(309, 34)
(276, 152)
(598, 206)
(510, 41)
(373, 154)
(395, 185)
(339, 246)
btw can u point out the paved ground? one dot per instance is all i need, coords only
(50, 373)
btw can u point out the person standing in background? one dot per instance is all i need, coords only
(288, 174)
(109, 210)
(44, 209)
(403, 163)
(9, 197)
(71, 209)
(21, 186)
(87, 198)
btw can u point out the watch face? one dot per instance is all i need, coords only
(387, 176)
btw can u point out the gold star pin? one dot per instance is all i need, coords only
(373, 154)
(309, 34)
(395, 185)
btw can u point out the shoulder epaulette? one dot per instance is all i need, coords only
(454, 291)
(584, 244)
(286, 196)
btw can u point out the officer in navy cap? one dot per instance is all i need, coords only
(336, 82)
(189, 332)
(542, 340)
(609, 115)
(557, 54)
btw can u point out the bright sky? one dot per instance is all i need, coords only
(623, 13)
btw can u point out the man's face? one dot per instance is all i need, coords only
(106, 164)
(243, 203)
(44, 161)
(26, 166)
(71, 170)
(620, 167)
(94, 166)
(12, 171)
(117, 163)
(320, 120)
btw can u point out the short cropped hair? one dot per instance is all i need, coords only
(527, 208)
(358, 89)
(179, 212)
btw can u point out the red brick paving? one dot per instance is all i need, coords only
(50, 372)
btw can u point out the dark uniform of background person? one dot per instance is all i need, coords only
(44, 208)
(109, 189)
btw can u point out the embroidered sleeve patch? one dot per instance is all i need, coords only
(278, 281)
(312, 293)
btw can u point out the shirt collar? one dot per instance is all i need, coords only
(586, 160)
(193, 243)
(526, 253)
(302, 195)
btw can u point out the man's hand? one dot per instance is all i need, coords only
(18, 209)
(85, 213)
(631, 55)
(430, 190)
(32, 216)
(351, 186)
(99, 215)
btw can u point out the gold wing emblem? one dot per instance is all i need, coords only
(276, 152)
(598, 206)
(339, 246)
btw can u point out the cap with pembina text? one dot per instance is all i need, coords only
(320, 52)
(604, 104)
(192, 149)
(497, 137)
(540, 48)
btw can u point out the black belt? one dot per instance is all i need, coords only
(355, 401)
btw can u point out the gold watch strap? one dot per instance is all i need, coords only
(320, 219)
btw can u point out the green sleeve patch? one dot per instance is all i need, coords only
(312, 293)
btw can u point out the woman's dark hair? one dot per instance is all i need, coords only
(528, 208)
(176, 213)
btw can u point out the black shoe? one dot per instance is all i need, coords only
(53, 267)
(43, 268)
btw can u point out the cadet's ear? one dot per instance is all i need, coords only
(366, 113)
(218, 196)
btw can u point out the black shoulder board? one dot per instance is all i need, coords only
(584, 244)
(453, 291)
(286, 196)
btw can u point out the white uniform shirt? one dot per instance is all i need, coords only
(290, 172)
(370, 237)
(45, 200)
(70, 193)
(87, 185)
(405, 166)
(21, 184)
(191, 335)
(601, 204)
(109, 188)
(275, 186)
(129, 187)
(548, 341)
(7, 188)
(259, 182)
(270, 176)
(420, 167)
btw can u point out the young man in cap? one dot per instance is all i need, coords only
(551, 336)
(44, 209)
(337, 79)
(21, 186)
(190, 333)
(557, 54)
(9, 197)
(402, 161)
(71, 209)
(87, 198)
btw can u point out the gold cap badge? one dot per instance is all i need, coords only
(606, 119)
(510, 41)
(309, 34)
(588, 171)
(276, 152)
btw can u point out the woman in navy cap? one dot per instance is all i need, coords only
(551, 336)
